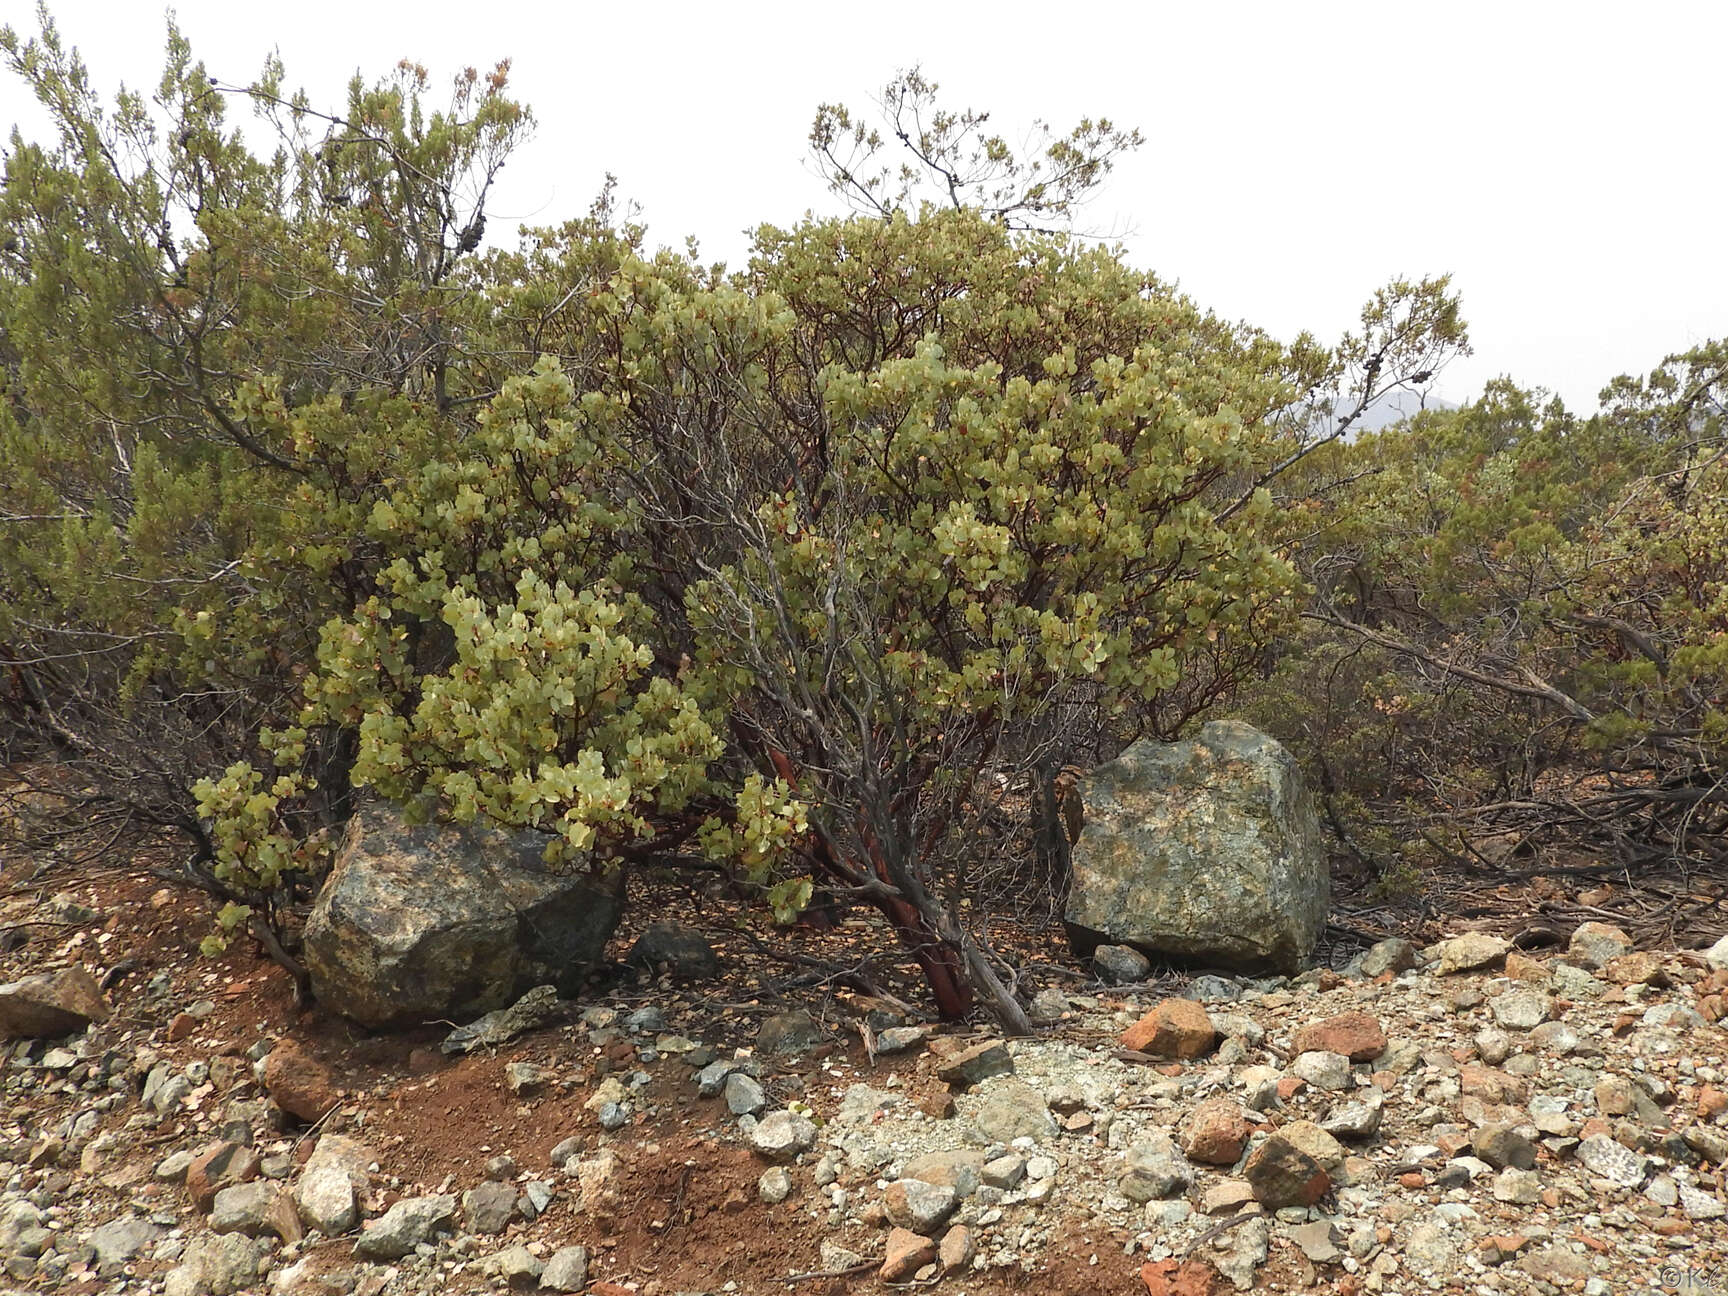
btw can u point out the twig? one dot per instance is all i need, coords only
(862, 1266)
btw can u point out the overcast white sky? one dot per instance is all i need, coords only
(1561, 160)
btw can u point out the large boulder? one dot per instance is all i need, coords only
(438, 922)
(1207, 851)
(51, 1004)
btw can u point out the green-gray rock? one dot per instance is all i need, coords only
(431, 921)
(1207, 850)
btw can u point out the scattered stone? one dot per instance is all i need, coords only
(221, 1165)
(524, 1078)
(299, 1084)
(1318, 1241)
(326, 1201)
(979, 1062)
(1170, 1277)
(918, 1206)
(1699, 1205)
(217, 1265)
(775, 1186)
(1522, 1009)
(898, 1039)
(489, 1207)
(744, 1095)
(954, 1253)
(567, 1270)
(406, 1225)
(1156, 1169)
(904, 1254)
(1618, 1096)
(782, 1135)
(1248, 1249)
(962, 1170)
(1645, 967)
(244, 1208)
(1120, 964)
(669, 947)
(1555, 1264)
(1469, 952)
(1595, 945)
(120, 1240)
(1216, 1132)
(1329, 1071)
(1394, 954)
(1602, 1156)
(1502, 1145)
(789, 1034)
(1717, 955)
(1357, 1035)
(519, 1267)
(1358, 1118)
(1282, 1174)
(1176, 1028)
(1012, 1109)
(1226, 1198)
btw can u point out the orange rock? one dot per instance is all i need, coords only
(1521, 967)
(181, 1026)
(1491, 1085)
(904, 1254)
(1712, 1102)
(1176, 1028)
(1357, 1035)
(1668, 1226)
(219, 1166)
(1217, 1132)
(1189, 1278)
(1411, 1179)
(955, 1251)
(1506, 1243)
(301, 1085)
(1289, 1086)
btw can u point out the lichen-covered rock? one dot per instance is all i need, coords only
(1208, 849)
(432, 921)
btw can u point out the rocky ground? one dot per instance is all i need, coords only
(1463, 1117)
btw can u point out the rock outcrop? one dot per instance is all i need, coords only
(1206, 851)
(420, 922)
